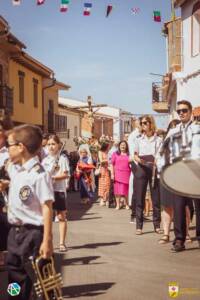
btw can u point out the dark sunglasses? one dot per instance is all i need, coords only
(183, 110)
(10, 145)
(144, 123)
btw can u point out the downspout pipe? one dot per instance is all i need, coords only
(43, 90)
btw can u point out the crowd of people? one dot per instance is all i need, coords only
(36, 172)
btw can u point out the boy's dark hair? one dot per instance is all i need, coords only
(29, 135)
(185, 102)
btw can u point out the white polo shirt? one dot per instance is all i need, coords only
(63, 164)
(30, 187)
(147, 146)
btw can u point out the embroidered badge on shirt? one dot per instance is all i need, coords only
(25, 193)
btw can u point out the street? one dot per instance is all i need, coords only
(106, 260)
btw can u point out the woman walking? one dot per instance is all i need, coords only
(104, 176)
(146, 147)
(121, 173)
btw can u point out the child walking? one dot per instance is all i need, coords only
(58, 167)
(29, 206)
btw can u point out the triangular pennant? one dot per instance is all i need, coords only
(64, 5)
(40, 2)
(87, 8)
(157, 16)
(135, 10)
(16, 2)
(108, 11)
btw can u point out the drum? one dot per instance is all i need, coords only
(181, 171)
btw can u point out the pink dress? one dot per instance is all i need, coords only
(122, 173)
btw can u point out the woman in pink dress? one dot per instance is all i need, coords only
(120, 173)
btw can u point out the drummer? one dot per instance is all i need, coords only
(184, 110)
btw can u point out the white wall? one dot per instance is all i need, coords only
(190, 89)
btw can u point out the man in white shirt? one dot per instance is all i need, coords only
(184, 110)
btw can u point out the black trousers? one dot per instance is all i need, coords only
(179, 206)
(143, 176)
(22, 243)
(197, 208)
(4, 230)
(133, 199)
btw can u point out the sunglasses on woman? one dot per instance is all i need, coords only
(144, 123)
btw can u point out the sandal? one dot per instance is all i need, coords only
(63, 248)
(188, 239)
(138, 231)
(164, 239)
(158, 230)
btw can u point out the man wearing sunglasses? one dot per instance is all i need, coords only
(184, 110)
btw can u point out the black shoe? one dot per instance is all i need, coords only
(178, 246)
(132, 221)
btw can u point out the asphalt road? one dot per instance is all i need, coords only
(107, 261)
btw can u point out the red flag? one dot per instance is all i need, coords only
(109, 8)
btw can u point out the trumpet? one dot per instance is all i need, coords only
(48, 283)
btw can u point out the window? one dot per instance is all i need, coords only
(60, 123)
(75, 131)
(21, 86)
(35, 92)
(195, 29)
(127, 127)
(68, 133)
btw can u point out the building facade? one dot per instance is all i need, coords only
(28, 88)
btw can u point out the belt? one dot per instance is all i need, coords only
(28, 226)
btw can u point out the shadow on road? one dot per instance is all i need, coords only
(76, 209)
(96, 245)
(88, 290)
(85, 260)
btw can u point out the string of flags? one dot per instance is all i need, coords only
(64, 5)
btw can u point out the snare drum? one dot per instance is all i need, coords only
(181, 172)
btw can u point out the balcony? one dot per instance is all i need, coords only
(159, 103)
(6, 99)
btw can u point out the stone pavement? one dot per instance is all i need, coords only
(107, 261)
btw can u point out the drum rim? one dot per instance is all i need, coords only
(173, 190)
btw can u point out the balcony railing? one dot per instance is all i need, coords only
(55, 123)
(6, 98)
(159, 103)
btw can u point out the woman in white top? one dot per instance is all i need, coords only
(145, 149)
(58, 167)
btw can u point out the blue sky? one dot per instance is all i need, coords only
(107, 58)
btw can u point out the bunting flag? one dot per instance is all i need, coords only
(16, 2)
(87, 8)
(157, 16)
(135, 10)
(40, 2)
(64, 5)
(109, 8)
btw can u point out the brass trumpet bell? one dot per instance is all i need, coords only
(48, 282)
